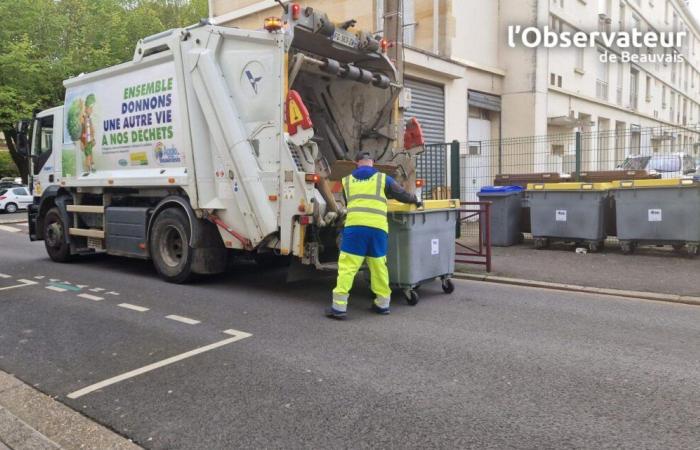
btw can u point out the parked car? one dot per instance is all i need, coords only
(15, 198)
(669, 165)
(9, 184)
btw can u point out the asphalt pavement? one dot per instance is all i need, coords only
(244, 360)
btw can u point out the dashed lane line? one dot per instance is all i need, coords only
(91, 297)
(24, 284)
(236, 336)
(55, 288)
(4, 275)
(182, 319)
(133, 307)
(97, 289)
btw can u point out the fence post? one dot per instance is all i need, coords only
(578, 156)
(455, 181)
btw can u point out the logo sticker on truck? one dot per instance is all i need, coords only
(252, 76)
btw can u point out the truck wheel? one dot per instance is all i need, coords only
(169, 246)
(10, 208)
(55, 237)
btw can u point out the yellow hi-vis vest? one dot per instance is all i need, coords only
(366, 202)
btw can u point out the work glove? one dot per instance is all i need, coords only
(419, 204)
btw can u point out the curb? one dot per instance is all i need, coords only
(12, 222)
(669, 298)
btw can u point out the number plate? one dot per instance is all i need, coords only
(346, 39)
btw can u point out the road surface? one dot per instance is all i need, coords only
(247, 361)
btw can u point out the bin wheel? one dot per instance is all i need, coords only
(627, 247)
(595, 247)
(678, 247)
(412, 297)
(693, 250)
(541, 243)
(448, 286)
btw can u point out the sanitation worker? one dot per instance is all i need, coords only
(365, 236)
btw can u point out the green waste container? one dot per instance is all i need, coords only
(421, 245)
(658, 212)
(569, 212)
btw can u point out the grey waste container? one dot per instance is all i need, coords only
(421, 245)
(568, 212)
(506, 207)
(658, 212)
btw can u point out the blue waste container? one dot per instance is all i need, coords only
(506, 206)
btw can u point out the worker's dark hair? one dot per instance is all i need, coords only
(363, 155)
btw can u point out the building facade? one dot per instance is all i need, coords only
(469, 85)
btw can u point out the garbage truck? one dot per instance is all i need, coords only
(217, 141)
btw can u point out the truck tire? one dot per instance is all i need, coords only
(169, 246)
(55, 236)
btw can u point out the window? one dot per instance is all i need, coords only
(20, 191)
(601, 76)
(620, 81)
(621, 19)
(648, 89)
(558, 149)
(44, 142)
(663, 96)
(579, 59)
(634, 88)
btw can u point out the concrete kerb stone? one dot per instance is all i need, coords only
(53, 420)
(671, 298)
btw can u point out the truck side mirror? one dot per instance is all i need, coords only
(23, 142)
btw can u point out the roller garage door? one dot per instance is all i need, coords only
(428, 106)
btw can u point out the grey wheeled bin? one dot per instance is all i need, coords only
(658, 212)
(569, 212)
(506, 207)
(422, 245)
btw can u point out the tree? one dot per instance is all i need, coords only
(48, 41)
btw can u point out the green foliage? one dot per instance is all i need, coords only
(7, 167)
(43, 42)
(68, 162)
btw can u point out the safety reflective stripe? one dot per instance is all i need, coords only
(382, 302)
(367, 210)
(380, 179)
(340, 302)
(366, 197)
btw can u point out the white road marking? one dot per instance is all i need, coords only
(10, 229)
(113, 293)
(182, 319)
(133, 307)
(81, 285)
(53, 280)
(173, 359)
(4, 275)
(56, 288)
(96, 290)
(91, 297)
(39, 277)
(24, 283)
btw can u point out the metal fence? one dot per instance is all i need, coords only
(667, 152)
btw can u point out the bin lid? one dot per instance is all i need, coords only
(500, 190)
(428, 205)
(569, 186)
(662, 182)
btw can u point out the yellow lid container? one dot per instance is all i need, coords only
(573, 186)
(395, 206)
(667, 182)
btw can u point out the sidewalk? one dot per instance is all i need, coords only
(649, 269)
(33, 421)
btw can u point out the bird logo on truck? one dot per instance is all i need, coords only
(253, 80)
